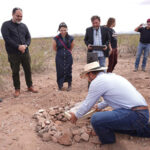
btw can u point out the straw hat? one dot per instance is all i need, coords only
(94, 66)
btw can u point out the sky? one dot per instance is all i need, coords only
(44, 16)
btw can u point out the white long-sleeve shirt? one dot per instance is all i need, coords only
(116, 91)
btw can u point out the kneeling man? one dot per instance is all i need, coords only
(130, 113)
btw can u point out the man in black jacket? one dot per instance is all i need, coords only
(17, 39)
(97, 35)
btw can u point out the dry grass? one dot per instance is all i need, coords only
(42, 55)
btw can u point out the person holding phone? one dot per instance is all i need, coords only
(144, 45)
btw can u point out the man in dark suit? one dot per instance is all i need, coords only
(97, 35)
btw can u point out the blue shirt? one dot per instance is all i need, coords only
(116, 91)
(98, 41)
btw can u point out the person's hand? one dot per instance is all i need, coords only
(22, 48)
(141, 25)
(96, 107)
(105, 48)
(73, 118)
(89, 47)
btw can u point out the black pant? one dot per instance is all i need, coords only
(15, 60)
(91, 57)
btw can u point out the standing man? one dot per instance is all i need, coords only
(144, 45)
(113, 56)
(130, 114)
(17, 40)
(97, 35)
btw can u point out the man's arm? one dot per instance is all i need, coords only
(28, 37)
(7, 38)
(86, 38)
(94, 94)
(102, 105)
(137, 29)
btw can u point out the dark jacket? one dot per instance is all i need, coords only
(14, 35)
(89, 39)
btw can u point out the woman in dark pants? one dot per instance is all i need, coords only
(63, 45)
(114, 53)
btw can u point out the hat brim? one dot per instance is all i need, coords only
(83, 74)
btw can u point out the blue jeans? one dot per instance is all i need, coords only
(102, 61)
(142, 48)
(122, 120)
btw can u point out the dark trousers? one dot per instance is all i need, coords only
(91, 57)
(112, 60)
(126, 121)
(15, 60)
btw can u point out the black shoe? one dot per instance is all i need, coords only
(1, 100)
(69, 88)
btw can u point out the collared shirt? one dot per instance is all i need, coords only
(98, 41)
(116, 91)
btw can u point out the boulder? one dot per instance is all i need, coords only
(58, 123)
(84, 136)
(75, 131)
(54, 139)
(77, 138)
(65, 139)
(41, 110)
(38, 128)
(46, 137)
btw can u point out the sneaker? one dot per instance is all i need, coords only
(143, 69)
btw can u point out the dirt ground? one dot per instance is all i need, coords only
(16, 123)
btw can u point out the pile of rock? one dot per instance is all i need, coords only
(52, 126)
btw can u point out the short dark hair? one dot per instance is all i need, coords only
(15, 9)
(94, 18)
(110, 22)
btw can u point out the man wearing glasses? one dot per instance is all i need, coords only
(17, 39)
(97, 35)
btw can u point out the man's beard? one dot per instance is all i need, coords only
(18, 22)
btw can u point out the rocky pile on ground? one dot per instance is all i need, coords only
(52, 125)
